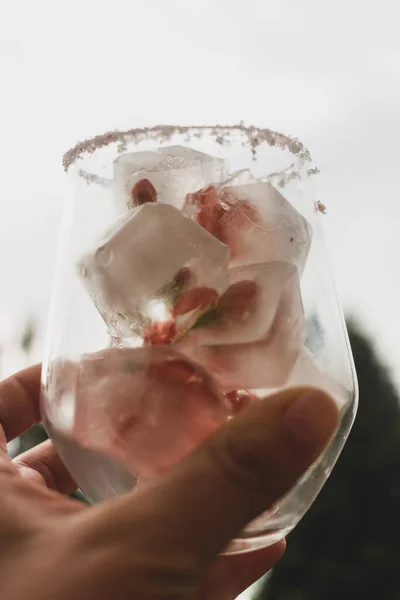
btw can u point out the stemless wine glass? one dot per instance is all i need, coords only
(192, 281)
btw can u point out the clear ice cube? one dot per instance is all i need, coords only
(247, 310)
(239, 178)
(255, 221)
(267, 360)
(213, 168)
(148, 407)
(146, 262)
(173, 171)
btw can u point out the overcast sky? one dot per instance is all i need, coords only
(328, 72)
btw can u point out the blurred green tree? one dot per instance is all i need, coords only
(29, 335)
(348, 544)
(37, 434)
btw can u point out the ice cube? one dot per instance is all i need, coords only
(246, 312)
(173, 171)
(255, 221)
(148, 407)
(239, 178)
(146, 261)
(267, 360)
(213, 168)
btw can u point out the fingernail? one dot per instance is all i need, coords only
(312, 418)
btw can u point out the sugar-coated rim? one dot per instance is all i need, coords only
(256, 136)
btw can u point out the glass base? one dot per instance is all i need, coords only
(249, 544)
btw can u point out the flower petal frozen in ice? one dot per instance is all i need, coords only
(240, 399)
(257, 348)
(197, 298)
(148, 407)
(143, 191)
(163, 332)
(255, 221)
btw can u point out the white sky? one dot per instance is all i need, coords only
(328, 72)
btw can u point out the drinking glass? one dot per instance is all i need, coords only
(192, 281)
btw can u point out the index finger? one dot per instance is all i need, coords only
(19, 402)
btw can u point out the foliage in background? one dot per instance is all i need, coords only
(348, 544)
(29, 335)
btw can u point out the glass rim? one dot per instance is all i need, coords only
(256, 136)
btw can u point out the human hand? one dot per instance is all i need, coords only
(162, 542)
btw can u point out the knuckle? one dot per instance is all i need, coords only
(39, 471)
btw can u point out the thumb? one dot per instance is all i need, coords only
(191, 514)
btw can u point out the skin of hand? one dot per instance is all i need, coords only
(163, 542)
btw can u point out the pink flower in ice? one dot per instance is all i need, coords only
(251, 336)
(239, 399)
(143, 191)
(163, 332)
(224, 215)
(238, 301)
(148, 407)
(195, 299)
